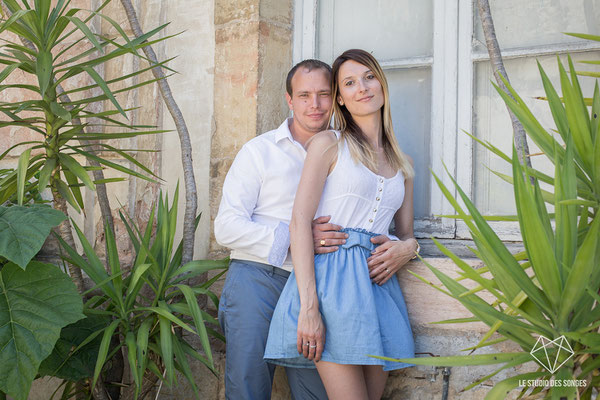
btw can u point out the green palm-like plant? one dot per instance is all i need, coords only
(550, 289)
(44, 51)
(147, 305)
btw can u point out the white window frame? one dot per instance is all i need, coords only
(452, 69)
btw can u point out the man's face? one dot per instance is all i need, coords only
(310, 100)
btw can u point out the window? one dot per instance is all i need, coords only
(436, 62)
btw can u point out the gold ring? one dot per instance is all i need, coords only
(322, 242)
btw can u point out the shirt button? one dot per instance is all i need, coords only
(371, 221)
(374, 210)
(381, 180)
(378, 199)
(380, 189)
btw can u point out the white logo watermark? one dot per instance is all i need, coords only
(543, 352)
(563, 352)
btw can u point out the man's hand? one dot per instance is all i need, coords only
(326, 236)
(389, 257)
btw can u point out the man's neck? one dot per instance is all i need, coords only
(300, 135)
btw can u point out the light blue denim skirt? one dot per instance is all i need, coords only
(361, 318)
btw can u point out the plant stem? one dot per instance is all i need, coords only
(64, 230)
(191, 197)
(493, 48)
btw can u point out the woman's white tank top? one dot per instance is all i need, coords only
(356, 197)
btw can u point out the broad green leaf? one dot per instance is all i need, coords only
(113, 165)
(107, 92)
(190, 351)
(135, 284)
(538, 245)
(142, 347)
(198, 267)
(70, 361)
(22, 167)
(65, 192)
(23, 230)
(164, 312)
(581, 271)
(566, 214)
(577, 117)
(132, 356)
(166, 347)
(13, 18)
(595, 38)
(34, 305)
(182, 365)
(503, 388)
(76, 169)
(103, 350)
(517, 361)
(461, 361)
(93, 267)
(86, 31)
(506, 264)
(556, 106)
(595, 122)
(8, 70)
(60, 111)
(43, 69)
(45, 173)
(192, 303)
(73, 187)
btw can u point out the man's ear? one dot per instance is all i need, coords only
(288, 98)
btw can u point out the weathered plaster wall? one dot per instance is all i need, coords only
(253, 52)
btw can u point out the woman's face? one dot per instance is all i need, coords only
(359, 89)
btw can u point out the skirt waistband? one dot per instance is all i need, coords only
(359, 237)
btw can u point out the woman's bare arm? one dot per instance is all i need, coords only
(321, 155)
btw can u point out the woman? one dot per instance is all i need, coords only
(333, 310)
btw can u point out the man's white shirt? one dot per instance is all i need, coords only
(258, 196)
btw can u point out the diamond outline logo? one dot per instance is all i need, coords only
(543, 343)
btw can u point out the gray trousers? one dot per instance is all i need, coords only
(247, 303)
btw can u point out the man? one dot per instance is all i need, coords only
(253, 218)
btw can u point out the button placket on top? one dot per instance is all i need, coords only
(378, 193)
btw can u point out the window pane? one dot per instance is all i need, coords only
(521, 23)
(492, 123)
(410, 98)
(389, 28)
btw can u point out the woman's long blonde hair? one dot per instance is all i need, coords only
(360, 149)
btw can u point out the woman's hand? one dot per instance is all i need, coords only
(311, 334)
(389, 257)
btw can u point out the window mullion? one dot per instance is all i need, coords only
(464, 144)
(444, 111)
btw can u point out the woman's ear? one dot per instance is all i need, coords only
(340, 101)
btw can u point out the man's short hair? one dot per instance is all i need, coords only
(309, 64)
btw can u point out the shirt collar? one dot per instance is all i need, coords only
(284, 132)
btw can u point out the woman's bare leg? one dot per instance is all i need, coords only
(375, 378)
(343, 382)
